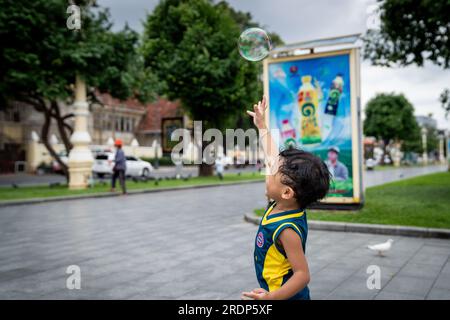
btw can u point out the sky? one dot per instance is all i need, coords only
(300, 20)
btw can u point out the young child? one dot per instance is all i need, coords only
(295, 180)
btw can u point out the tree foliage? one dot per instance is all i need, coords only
(444, 99)
(390, 117)
(192, 46)
(411, 32)
(253, 89)
(40, 57)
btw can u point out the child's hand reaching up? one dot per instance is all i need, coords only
(269, 147)
(259, 114)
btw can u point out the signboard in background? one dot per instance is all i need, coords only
(313, 102)
(169, 125)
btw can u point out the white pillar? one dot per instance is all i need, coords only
(397, 157)
(80, 157)
(33, 152)
(134, 146)
(110, 142)
(424, 145)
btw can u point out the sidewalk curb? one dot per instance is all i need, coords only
(368, 228)
(115, 194)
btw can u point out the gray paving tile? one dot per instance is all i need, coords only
(430, 258)
(188, 244)
(420, 270)
(443, 281)
(446, 268)
(409, 285)
(353, 288)
(439, 294)
(385, 295)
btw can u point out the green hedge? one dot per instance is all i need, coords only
(163, 161)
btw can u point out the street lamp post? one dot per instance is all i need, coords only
(80, 157)
(424, 145)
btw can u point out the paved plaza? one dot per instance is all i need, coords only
(192, 244)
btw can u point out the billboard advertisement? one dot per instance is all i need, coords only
(169, 125)
(313, 103)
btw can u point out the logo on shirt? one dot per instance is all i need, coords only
(260, 240)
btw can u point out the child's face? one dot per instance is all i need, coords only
(274, 186)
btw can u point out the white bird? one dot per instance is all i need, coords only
(381, 247)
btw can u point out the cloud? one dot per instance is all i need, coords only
(421, 86)
(132, 12)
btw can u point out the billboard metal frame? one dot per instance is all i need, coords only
(353, 52)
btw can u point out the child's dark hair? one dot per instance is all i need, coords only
(306, 174)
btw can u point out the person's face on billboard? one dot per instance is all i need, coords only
(332, 156)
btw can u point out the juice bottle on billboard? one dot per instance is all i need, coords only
(331, 107)
(287, 133)
(333, 97)
(308, 103)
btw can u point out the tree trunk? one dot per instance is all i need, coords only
(53, 111)
(62, 125)
(205, 170)
(44, 137)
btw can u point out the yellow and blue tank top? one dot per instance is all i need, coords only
(271, 264)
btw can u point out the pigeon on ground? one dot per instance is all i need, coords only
(381, 247)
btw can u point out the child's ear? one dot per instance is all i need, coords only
(288, 193)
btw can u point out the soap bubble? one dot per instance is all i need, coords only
(254, 44)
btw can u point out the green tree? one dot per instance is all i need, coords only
(444, 99)
(40, 58)
(245, 21)
(414, 142)
(432, 139)
(390, 117)
(411, 32)
(253, 89)
(192, 46)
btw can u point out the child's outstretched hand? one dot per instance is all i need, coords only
(256, 294)
(259, 114)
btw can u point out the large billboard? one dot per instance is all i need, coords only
(314, 103)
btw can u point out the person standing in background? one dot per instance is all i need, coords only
(219, 166)
(120, 167)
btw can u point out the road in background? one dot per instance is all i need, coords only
(371, 178)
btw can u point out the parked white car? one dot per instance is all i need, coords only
(104, 163)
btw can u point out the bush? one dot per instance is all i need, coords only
(44, 168)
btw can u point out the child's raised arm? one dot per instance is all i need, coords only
(268, 145)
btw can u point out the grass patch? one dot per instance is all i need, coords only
(421, 201)
(392, 167)
(9, 193)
